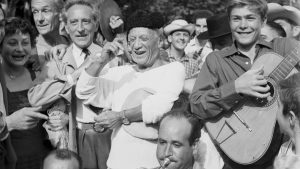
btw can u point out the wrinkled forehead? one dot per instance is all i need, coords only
(43, 3)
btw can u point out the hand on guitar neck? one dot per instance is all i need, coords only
(253, 83)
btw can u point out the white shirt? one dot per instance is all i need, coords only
(112, 90)
(84, 113)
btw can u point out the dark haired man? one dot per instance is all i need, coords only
(226, 76)
(62, 159)
(178, 136)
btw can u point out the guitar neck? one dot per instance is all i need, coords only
(285, 66)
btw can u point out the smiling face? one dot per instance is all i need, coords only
(173, 143)
(245, 26)
(16, 49)
(45, 15)
(179, 39)
(144, 45)
(201, 25)
(80, 25)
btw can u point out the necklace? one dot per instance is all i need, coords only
(12, 77)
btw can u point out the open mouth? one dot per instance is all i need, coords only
(18, 57)
(139, 52)
(244, 33)
(42, 26)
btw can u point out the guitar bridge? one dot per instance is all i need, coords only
(225, 133)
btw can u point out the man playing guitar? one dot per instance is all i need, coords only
(228, 76)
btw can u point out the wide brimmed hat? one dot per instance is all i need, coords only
(217, 25)
(179, 24)
(107, 9)
(277, 11)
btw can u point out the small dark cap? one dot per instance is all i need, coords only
(142, 18)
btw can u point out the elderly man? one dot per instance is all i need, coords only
(46, 16)
(286, 16)
(81, 22)
(134, 96)
(179, 34)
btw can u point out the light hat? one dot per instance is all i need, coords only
(179, 24)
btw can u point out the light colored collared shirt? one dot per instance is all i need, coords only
(84, 113)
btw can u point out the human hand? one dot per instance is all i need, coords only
(56, 52)
(115, 22)
(111, 50)
(34, 59)
(109, 119)
(58, 120)
(253, 83)
(25, 118)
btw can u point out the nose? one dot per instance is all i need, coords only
(40, 17)
(244, 24)
(20, 48)
(137, 44)
(168, 151)
(80, 28)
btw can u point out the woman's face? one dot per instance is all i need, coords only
(16, 49)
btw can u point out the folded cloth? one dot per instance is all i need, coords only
(59, 138)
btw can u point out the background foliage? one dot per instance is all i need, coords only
(174, 8)
(169, 8)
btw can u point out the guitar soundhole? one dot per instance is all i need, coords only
(265, 102)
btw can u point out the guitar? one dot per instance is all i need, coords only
(245, 132)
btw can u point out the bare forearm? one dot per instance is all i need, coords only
(95, 68)
(134, 114)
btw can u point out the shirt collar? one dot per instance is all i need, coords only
(232, 49)
(78, 50)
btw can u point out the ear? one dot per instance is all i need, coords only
(292, 118)
(67, 28)
(195, 143)
(296, 31)
(170, 38)
(264, 22)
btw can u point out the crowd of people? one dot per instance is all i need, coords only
(82, 87)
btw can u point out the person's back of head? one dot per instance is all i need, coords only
(62, 159)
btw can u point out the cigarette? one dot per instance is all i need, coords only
(166, 163)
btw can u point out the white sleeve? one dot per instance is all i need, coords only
(154, 106)
(96, 91)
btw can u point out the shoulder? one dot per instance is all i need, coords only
(94, 48)
(175, 66)
(69, 54)
(118, 72)
(215, 56)
(285, 45)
